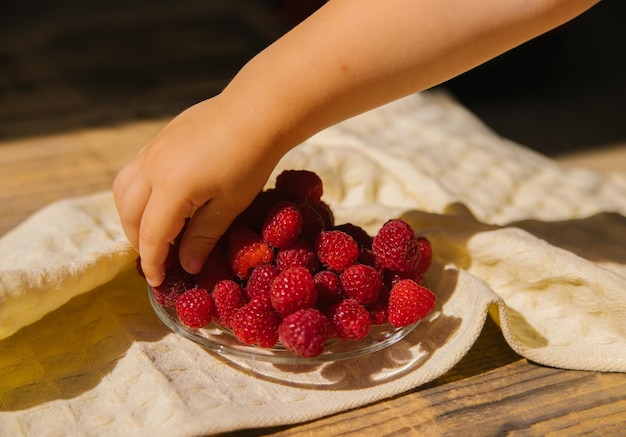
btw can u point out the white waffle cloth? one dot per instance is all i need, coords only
(537, 245)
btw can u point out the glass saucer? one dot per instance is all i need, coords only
(222, 341)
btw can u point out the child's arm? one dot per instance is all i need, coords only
(348, 57)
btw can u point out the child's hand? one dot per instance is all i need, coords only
(348, 57)
(210, 161)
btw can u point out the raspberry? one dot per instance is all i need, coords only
(300, 186)
(361, 283)
(256, 323)
(360, 235)
(379, 310)
(304, 332)
(285, 272)
(391, 277)
(215, 269)
(426, 254)
(368, 258)
(260, 281)
(328, 287)
(247, 250)
(350, 320)
(176, 282)
(409, 302)
(194, 308)
(323, 209)
(293, 289)
(228, 296)
(298, 254)
(312, 222)
(255, 214)
(283, 225)
(395, 246)
(336, 250)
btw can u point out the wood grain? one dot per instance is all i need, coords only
(37, 171)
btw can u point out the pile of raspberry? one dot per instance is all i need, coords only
(285, 273)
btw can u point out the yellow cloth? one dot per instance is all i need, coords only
(537, 245)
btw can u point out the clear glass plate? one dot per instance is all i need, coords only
(222, 341)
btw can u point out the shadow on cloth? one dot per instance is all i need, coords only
(73, 348)
(598, 238)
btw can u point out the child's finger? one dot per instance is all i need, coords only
(206, 227)
(131, 194)
(163, 219)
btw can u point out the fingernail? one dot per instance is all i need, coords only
(194, 265)
(151, 282)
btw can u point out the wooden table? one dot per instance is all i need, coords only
(492, 391)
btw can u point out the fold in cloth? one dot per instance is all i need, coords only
(515, 235)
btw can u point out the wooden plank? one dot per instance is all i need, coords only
(39, 170)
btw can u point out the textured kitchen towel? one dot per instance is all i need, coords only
(537, 245)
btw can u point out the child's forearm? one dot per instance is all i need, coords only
(348, 57)
(354, 55)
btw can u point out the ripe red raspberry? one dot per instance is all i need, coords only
(298, 254)
(228, 296)
(283, 225)
(324, 210)
(260, 281)
(304, 332)
(300, 186)
(409, 302)
(215, 269)
(390, 277)
(194, 308)
(255, 214)
(361, 283)
(256, 323)
(336, 250)
(176, 282)
(360, 235)
(426, 254)
(293, 289)
(328, 287)
(368, 258)
(395, 246)
(247, 250)
(312, 222)
(350, 320)
(379, 310)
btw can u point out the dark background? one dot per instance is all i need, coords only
(68, 64)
